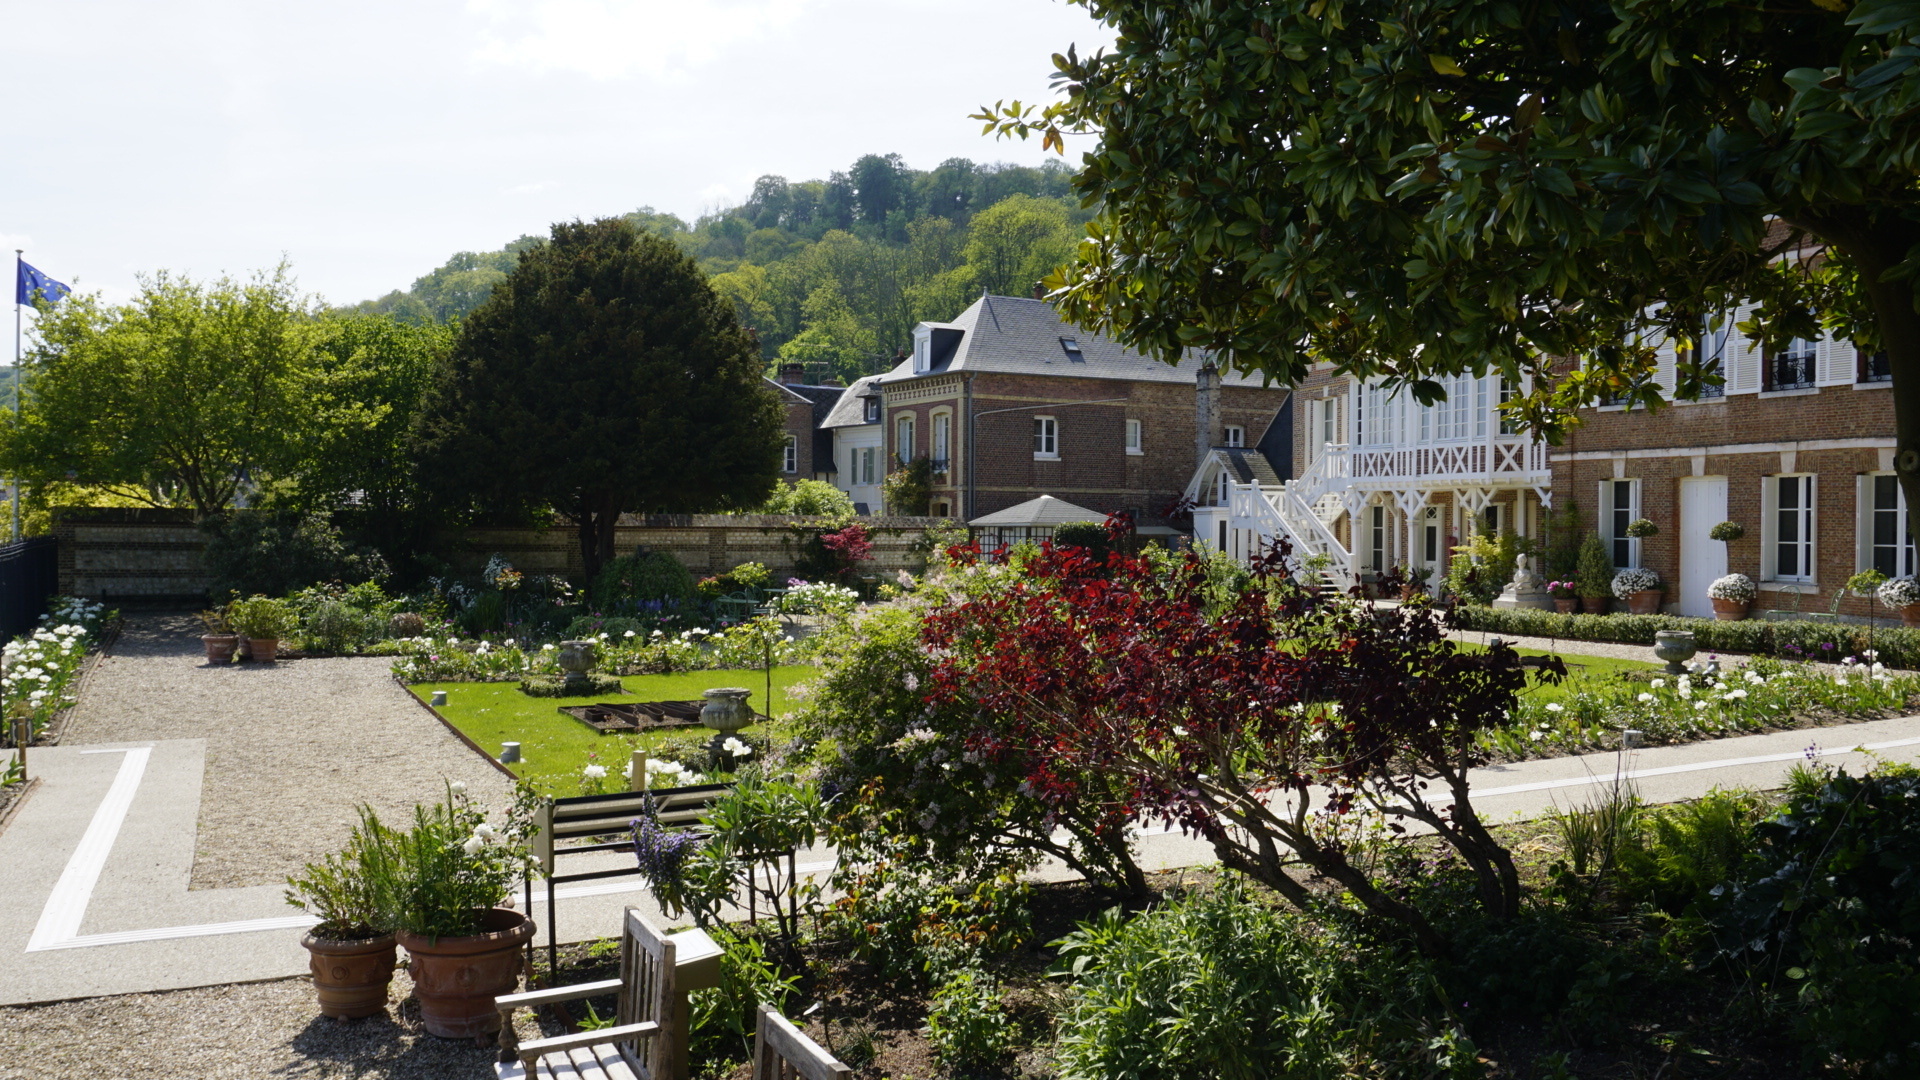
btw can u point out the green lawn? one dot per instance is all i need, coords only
(554, 746)
(1584, 668)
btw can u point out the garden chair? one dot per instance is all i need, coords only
(645, 1043)
(781, 1052)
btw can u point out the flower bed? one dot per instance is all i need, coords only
(41, 668)
(1589, 714)
(452, 659)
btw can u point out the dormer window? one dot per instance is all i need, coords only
(1236, 435)
(922, 348)
(1072, 348)
(873, 410)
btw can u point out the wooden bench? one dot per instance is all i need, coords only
(586, 816)
(650, 1033)
(782, 1052)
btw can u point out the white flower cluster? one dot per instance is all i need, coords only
(40, 667)
(819, 598)
(1899, 592)
(1735, 588)
(667, 774)
(1634, 580)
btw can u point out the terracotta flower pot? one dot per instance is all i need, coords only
(220, 647)
(1596, 605)
(457, 978)
(1566, 605)
(1910, 615)
(1729, 610)
(1645, 602)
(351, 977)
(263, 649)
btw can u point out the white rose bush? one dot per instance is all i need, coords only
(38, 672)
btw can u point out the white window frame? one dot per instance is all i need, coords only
(872, 409)
(1379, 538)
(942, 439)
(867, 456)
(1613, 524)
(1221, 496)
(1807, 524)
(1136, 438)
(1046, 438)
(1235, 435)
(790, 455)
(1870, 510)
(903, 434)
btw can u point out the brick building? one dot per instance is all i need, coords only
(1010, 402)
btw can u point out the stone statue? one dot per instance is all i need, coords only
(1526, 590)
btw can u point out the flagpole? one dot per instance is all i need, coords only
(19, 259)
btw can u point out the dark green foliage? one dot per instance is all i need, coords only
(642, 576)
(1680, 856)
(604, 375)
(555, 686)
(1827, 918)
(486, 615)
(908, 490)
(967, 1022)
(257, 551)
(1086, 534)
(723, 1019)
(1593, 570)
(1222, 987)
(586, 626)
(1898, 647)
(1565, 532)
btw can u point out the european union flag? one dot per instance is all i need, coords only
(33, 281)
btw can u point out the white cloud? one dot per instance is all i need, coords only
(534, 188)
(608, 39)
(10, 241)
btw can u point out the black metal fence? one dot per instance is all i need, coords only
(29, 575)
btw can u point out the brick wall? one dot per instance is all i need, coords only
(799, 427)
(157, 554)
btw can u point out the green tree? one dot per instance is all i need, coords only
(1016, 242)
(813, 498)
(174, 399)
(604, 375)
(1435, 187)
(364, 395)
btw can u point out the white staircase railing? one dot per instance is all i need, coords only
(1260, 510)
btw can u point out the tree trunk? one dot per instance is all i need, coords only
(1877, 244)
(599, 514)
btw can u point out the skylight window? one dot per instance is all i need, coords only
(1072, 346)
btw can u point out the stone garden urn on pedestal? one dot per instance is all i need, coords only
(726, 712)
(1676, 648)
(576, 659)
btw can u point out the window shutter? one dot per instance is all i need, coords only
(1834, 363)
(1663, 365)
(1744, 354)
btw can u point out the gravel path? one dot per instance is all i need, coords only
(292, 749)
(241, 1032)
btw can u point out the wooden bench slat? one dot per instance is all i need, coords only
(586, 1062)
(534, 998)
(619, 1033)
(616, 1066)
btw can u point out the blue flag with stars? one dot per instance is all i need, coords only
(32, 281)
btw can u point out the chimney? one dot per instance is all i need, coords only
(1039, 290)
(793, 374)
(1206, 412)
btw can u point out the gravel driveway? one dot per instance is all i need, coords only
(292, 748)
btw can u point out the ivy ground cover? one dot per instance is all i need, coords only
(554, 746)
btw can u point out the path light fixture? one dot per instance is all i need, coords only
(509, 751)
(439, 698)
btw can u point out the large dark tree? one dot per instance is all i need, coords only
(1422, 187)
(604, 375)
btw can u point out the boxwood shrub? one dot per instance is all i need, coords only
(1798, 639)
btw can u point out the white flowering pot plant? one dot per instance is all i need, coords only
(1640, 588)
(1731, 596)
(1903, 595)
(452, 876)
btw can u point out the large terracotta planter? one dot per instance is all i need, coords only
(263, 649)
(1729, 610)
(220, 647)
(1596, 605)
(1566, 605)
(351, 977)
(1645, 602)
(1910, 615)
(457, 978)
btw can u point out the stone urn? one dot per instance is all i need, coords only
(1676, 648)
(351, 976)
(1729, 610)
(457, 978)
(576, 659)
(726, 710)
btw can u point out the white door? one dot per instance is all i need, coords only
(1703, 504)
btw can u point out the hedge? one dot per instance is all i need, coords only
(1798, 639)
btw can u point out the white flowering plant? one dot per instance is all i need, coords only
(1634, 580)
(1899, 592)
(38, 672)
(452, 866)
(1734, 588)
(819, 598)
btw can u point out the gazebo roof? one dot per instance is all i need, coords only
(1043, 511)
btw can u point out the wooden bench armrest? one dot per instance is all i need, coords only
(538, 1048)
(535, 998)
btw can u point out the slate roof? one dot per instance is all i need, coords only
(848, 410)
(1045, 510)
(1014, 334)
(1248, 464)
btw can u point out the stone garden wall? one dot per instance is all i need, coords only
(156, 555)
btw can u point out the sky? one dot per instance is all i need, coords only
(366, 142)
